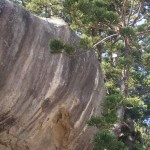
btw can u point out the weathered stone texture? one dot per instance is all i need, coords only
(45, 99)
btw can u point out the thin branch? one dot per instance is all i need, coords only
(131, 9)
(138, 15)
(123, 16)
(104, 40)
(143, 33)
(118, 38)
(116, 6)
(136, 8)
(106, 29)
(143, 17)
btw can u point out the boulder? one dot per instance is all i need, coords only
(45, 99)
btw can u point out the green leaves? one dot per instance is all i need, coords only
(84, 6)
(142, 27)
(96, 121)
(57, 46)
(100, 3)
(86, 42)
(87, 13)
(125, 60)
(146, 60)
(147, 80)
(105, 16)
(113, 101)
(127, 31)
(69, 49)
(106, 140)
(135, 102)
(112, 17)
(104, 122)
(109, 116)
(44, 8)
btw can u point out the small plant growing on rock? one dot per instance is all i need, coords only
(69, 49)
(56, 46)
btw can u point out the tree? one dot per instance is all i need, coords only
(44, 8)
(119, 32)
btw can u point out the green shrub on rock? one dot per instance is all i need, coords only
(69, 49)
(56, 46)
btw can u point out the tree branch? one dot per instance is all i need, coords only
(123, 15)
(138, 15)
(104, 40)
(143, 33)
(116, 6)
(131, 8)
(118, 38)
(144, 16)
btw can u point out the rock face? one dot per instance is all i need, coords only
(45, 99)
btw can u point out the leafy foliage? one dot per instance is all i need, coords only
(106, 140)
(127, 31)
(121, 43)
(69, 49)
(44, 8)
(56, 46)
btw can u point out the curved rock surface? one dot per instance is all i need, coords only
(45, 99)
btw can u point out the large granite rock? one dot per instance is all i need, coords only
(45, 99)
